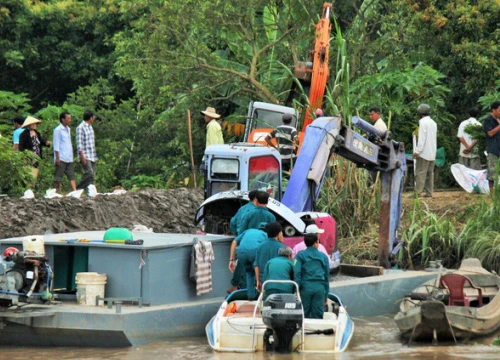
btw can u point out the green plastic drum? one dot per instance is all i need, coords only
(118, 234)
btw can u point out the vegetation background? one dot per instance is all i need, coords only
(141, 64)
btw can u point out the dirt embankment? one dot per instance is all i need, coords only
(163, 210)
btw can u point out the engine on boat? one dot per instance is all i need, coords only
(282, 314)
(24, 276)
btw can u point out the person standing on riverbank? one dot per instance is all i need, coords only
(63, 153)
(85, 144)
(377, 121)
(468, 155)
(380, 125)
(425, 152)
(214, 130)
(214, 135)
(491, 126)
(18, 126)
(30, 139)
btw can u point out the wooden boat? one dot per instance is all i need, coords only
(278, 324)
(432, 311)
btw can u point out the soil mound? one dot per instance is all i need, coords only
(162, 210)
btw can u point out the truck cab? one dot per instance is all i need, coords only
(243, 166)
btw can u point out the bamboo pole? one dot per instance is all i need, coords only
(191, 147)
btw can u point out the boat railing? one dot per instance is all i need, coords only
(260, 299)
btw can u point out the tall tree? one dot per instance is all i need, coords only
(50, 48)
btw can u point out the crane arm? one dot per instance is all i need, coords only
(320, 70)
(328, 135)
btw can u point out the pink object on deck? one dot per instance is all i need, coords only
(302, 246)
(329, 237)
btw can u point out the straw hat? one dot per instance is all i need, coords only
(210, 111)
(30, 120)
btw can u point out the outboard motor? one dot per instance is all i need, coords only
(282, 314)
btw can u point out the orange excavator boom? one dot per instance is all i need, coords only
(320, 71)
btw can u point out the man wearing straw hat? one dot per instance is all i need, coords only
(214, 130)
(30, 139)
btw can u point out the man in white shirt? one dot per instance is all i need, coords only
(379, 124)
(376, 119)
(63, 152)
(468, 155)
(425, 152)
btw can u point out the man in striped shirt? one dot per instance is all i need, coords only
(287, 139)
(85, 144)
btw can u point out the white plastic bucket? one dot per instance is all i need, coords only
(34, 243)
(89, 285)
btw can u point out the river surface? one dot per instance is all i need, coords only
(374, 338)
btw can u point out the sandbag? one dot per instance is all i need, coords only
(470, 180)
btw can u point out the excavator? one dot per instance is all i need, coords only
(312, 74)
(235, 169)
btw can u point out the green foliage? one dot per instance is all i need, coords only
(492, 94)
(428, 237)
(145, 181)
(48, 49)
(456, 38)
(480, 236)
(11, 104)
(400, 92)
(16, 175)
(347, 196)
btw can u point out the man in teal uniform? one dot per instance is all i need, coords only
(257, 215)
(279, 268)
(311, 273)
(245, 246)
(238, 280)
(236, 219)
(268, 250)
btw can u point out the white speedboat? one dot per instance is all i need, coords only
(278, 324)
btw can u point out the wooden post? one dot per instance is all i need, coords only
(191, 148)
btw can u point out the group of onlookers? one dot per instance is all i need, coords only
(425, 148)
(27, 137)
(425, 152)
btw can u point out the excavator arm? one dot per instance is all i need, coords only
(328, 135)
(314, 73)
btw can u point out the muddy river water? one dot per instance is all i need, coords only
(374, 338)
